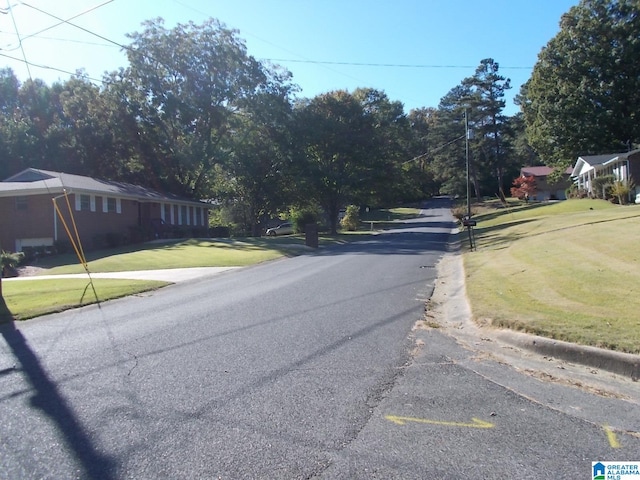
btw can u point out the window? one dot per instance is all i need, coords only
(166, 213)
(21, 203)
(85, 203)
(111, 205)
(184, 216)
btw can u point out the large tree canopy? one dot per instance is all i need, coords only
(584, 93)
(189, 80)
(335, 136)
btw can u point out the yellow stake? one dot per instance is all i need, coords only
(611, 436)
(477, 423)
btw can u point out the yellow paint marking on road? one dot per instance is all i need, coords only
(611, 436)
(476, 423)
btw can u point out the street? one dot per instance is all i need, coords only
(304, 367)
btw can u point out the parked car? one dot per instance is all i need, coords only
(282, 229)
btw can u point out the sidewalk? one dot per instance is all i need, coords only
(172, 275)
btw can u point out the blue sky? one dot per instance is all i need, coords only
(414, 50)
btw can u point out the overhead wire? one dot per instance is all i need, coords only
(283, 60)
(15, 26)
(392, 65)
(61, 22)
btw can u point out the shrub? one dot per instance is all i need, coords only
(602, 186)
(300, 217)
(621, 189)
(8, 262)
(62, 246)
(351, 218)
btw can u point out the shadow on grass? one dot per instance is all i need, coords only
(491, 237)
(48, 399)
(500, 212)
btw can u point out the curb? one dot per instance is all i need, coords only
(453, 284)
(625, 364)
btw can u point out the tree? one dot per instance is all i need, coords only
(336, 136)
(257, 167)
(485, 105)
(387, 148)
(448, 148)
(187, 83)
(417, 180)
(583, 96)
(524, 187)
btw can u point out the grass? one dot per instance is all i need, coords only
(177, 254)
(568, 271)
(29, 299)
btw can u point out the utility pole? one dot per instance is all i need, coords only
(468, 135)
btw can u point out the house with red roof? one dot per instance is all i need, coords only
(104, 213)
(545, 188)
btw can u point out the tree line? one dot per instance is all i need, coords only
(195, 114)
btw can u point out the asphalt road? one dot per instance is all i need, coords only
(307, 367)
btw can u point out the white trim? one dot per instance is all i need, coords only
(118, 205)
(92, 203)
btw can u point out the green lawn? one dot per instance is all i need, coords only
(28, 299)
(177, 254)
(32, 298)
(569, 271)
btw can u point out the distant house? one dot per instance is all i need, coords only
(623, 166)
(545, 190)
(106, 213)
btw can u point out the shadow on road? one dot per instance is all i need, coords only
(48, 399)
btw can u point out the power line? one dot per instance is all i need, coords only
(78, 26)
(61, 22)
(434, 150)
(46, 67)
(15, 25)
(392, 65)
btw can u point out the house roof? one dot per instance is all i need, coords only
(595, 161)
(33, 181)
(540, 171)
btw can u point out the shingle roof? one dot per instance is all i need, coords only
(540, 171)
(34, 181)
(599, 159)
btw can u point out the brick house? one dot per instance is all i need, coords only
(544, 189)
(106, 213)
